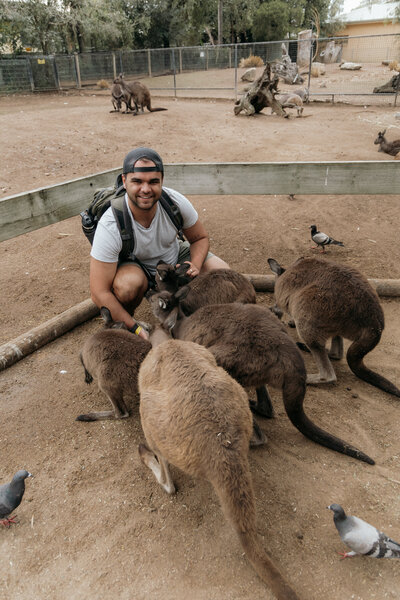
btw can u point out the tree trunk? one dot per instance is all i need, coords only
(260, 95)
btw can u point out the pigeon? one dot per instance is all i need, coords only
(322, 239)
(362, 537)
(11, 496)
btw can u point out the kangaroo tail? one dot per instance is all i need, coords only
(265, 568)
(156, 109)
(293, 396)
(88, 377)
(355, 354)
(234, 488)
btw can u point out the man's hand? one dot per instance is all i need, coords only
(192, 271)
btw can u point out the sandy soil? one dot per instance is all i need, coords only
(93, 523)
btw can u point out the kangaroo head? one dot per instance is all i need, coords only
(165, 306)
(380, 137)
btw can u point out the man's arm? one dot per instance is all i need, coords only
(101, 280)
(199, 244)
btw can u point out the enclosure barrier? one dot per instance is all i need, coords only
(36, 72)
(28, 211)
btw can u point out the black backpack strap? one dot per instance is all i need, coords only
(173, 212)
(124, 224)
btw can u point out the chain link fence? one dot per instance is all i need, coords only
(215, 71)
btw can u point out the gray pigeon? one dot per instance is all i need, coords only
(362, 537)
(11, 496)
(322, 239)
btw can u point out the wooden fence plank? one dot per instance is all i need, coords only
(29, 211)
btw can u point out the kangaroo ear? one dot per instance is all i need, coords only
(170, 321)
(106, 315)
(383, 132)
(275, 267)
(182, 293)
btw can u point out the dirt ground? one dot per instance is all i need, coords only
(94, 524)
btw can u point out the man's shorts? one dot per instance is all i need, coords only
(184, 255)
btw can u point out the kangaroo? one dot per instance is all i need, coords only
(113, 357)
(215, 287)
(118, 95)
(139, 93)
(291, 100)
(391, 148)
(327, 300)
(196, 417)
(250, 342)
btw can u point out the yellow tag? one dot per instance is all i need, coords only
(41, 61)
(138, 330)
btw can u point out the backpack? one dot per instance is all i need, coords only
(115, 197)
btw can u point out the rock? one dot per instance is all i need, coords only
(350, 66)
(317, 69)
(249, 74)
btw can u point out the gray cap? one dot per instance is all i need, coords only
(134, 155)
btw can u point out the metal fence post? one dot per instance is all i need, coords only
(310, 63)
(180, 60)
(77, 71)
(236, 73)
(149, 62)
(174, 68)
(121, 70)
(206, 58)
(230, 57)
(55, 70)
(397, 88)
(30, 74)
(114, 64)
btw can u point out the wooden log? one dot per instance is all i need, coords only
(383, 287)
(27, 343)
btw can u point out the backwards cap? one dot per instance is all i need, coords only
(134, 155)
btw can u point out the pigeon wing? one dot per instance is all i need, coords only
(320, 238)
(5, 509)
(360, 536)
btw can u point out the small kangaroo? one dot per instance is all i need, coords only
(113, 357)
(215, 287)
(196, 417)
(327, 300)
(391, 148)
(118, 95)
(139, 94)
(249, 342)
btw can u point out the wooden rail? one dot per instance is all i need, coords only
(31, 210)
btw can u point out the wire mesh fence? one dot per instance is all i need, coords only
(193, 71)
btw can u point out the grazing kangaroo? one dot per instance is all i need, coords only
(327, 300)
(139, 94)
(249, 342)
(113, 357)
(196, 417)
(391, 148)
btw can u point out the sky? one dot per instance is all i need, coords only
(348, 5)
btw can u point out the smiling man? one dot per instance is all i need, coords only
(120, 286)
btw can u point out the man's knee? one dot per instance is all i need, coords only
(129, 284)
(214, 262)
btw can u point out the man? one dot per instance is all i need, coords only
(120, 286)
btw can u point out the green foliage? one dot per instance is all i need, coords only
(77, 25)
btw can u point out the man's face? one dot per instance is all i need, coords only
(143, 188)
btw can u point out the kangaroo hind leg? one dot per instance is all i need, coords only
(326, 373)
(336, 351)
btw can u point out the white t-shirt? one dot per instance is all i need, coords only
(152, 244)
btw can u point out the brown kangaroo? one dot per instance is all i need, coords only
(113, 357)
(249, 342)
(215, 287)
(391, 148)
(118, 95)
(327, 300)
(139, 94)
(195, 416)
